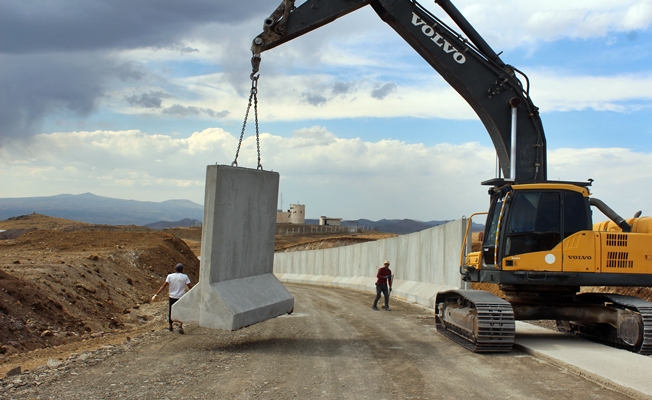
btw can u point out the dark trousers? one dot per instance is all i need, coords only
(172, 301)
(382, 288)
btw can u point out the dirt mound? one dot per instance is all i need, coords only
(327, 243)
(70, 280)
(324, 240)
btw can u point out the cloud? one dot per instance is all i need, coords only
(315, 136)
(383, 91)
(67, 25)
(348, 178)
(35, 85)
(558, 90)
(148, 100)
(341, 88)
(314, 99)
(535, 21)
(73, 62)
(63, 59)
(181, 111)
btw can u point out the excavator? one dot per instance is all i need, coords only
(539, 245)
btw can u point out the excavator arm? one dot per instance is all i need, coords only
(469, 65)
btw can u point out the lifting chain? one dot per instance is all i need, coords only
(253, 96)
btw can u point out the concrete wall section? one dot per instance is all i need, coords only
(242, 225)
(423, 264)
(237, 286)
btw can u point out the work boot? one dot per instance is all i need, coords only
(374, 308)
(387, 308)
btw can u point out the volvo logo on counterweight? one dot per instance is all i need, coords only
(436, 37)
(579, 257)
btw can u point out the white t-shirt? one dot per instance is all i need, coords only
(177, 282)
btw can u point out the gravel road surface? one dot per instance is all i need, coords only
(333, 346)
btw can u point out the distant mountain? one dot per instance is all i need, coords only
(94, 209)
(398, 226)
(184, 223)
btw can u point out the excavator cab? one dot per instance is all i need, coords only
(532, 218)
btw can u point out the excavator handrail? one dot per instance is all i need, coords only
(469, 225)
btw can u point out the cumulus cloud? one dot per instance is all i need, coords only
(182, 111)
(62, 64)
(556, 90)
(112, 24)
(383, 91)
(349, 178)
(148, 100)
(64, 58)
(533, 21)
(34, 85)
(314, 99)
(341, 88)
(311, 137)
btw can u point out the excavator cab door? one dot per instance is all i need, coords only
(533, 223)
(532, 220)
(489, 243)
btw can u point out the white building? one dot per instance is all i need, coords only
(295, 215)
(330, 221)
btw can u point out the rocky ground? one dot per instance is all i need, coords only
(66, 282)
(333, 347)
(67, 286)
(73, 294)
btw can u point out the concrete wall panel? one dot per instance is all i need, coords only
(236, 286)
(424, 263)
(425, 254)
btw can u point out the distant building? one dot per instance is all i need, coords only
(295, 215)
(330, 221)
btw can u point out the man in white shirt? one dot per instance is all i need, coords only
(178, 282)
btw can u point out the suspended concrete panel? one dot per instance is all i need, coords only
(237, 287)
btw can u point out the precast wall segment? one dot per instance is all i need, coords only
(423, 263)
(236, 287)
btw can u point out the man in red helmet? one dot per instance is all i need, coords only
(383, 285)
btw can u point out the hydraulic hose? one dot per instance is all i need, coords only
(611, 214)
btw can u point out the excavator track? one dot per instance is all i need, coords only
(484, 323)
(606, 334)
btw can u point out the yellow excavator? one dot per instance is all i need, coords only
(540, 245)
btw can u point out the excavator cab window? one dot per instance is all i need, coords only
(577, 213)
(534, 222)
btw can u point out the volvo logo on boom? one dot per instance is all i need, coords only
(436, 37)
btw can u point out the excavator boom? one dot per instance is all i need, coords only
(469, 65)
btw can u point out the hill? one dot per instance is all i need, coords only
(168, 214)
(95, 209)
(397, 226)
(184, 223)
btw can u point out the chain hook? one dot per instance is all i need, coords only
(253, 96)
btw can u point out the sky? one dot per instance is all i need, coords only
(133, 99)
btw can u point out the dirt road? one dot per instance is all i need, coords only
(333, 346)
